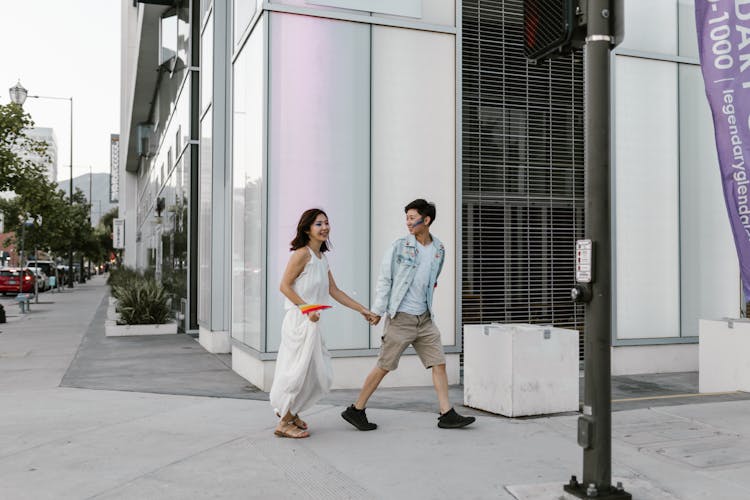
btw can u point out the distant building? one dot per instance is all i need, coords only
(48, 135)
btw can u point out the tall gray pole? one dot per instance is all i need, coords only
(70, 250)
(595, 425)
(597, 460)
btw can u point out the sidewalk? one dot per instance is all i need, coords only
(84, 416)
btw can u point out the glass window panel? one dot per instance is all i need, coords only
(440, 12)
(688, 37)
(646, 199)
(205, 5)
(710, 286)
(183, 35)
(319, 156)
(247, 190)
(414, 126)
(243, 12)
(204, 222)
(207, 66)
(168, 36)
(651, 26)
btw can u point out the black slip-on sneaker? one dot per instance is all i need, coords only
(358, 419)
(452, 420)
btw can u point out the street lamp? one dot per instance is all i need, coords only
(18, 95)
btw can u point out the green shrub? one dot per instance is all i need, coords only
(123, 278)
(142, 301)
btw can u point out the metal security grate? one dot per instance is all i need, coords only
(523, 191)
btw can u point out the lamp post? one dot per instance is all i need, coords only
(18, 95)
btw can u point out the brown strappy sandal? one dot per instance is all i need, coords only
(301, 424)
(289, 430)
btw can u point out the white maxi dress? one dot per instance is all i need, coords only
(303, 367)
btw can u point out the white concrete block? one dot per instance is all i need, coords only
(724, 364)
(112, 329)
(256, 371)
(664, 358)
(518, 370)
(215, 341)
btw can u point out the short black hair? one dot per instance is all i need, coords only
(424, 207)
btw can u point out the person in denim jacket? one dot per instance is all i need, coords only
(404, 291)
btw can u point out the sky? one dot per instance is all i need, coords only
(66, 48)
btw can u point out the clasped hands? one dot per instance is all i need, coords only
(370, 317)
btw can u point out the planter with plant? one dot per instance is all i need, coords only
(143, 308)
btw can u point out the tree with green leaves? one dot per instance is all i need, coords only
(17, 169)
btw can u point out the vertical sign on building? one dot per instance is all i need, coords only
(118, 233)
(723, 36)
(114, 168)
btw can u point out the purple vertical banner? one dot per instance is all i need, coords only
(724, 48)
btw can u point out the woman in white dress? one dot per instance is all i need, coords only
(303, 367)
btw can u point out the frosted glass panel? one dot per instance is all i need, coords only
(651, 26)
(688, 38)
(319, 130)
(247, 189)
(207, 65)
(204, 222)
(440, 12)
(414, 147)
(647, 218)
(242, 12)
(710, 274)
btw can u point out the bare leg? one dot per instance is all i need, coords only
(371, 383)
(440, 381)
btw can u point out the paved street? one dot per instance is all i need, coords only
(84, 416)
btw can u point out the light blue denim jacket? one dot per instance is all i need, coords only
(397, 272)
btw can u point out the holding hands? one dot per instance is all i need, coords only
(370, 317)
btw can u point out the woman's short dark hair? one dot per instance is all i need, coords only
(303, 228)
(424, 207)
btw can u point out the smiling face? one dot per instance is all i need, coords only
(415, 223)
(319, 229)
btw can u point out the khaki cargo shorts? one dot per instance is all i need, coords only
(419, 331)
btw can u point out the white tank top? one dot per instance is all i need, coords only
(312, 283)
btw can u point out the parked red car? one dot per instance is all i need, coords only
(14, 280)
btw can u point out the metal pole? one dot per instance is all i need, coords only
(595, 425)
(36, 276)
(70, 249)
(91, 213)
(597, 460)
(21, 274)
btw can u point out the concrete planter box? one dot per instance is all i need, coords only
(112, 312)
(723, 361)
(112, 301)
(517, 370)
(112, 329)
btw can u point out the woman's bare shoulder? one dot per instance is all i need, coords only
(301, 255)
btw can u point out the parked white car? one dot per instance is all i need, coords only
(41, 278)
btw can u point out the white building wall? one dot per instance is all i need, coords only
(674, 260)
(127, 204)
(361, 120)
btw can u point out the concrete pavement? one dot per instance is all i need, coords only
(64, 433)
